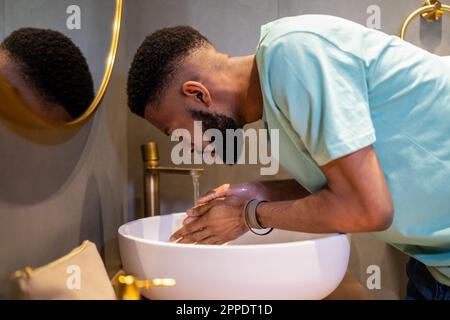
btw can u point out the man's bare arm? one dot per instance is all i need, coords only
(283, 190)
(272, 190)
(357, 199)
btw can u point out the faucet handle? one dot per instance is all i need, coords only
(129, 287)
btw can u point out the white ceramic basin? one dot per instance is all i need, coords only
(282, 265)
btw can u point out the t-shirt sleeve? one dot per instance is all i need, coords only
(322, 91)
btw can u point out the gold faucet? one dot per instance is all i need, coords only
(152, 170)
(128, 287)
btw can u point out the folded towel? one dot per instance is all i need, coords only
(80, 275)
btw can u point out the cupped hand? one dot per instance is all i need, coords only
(216, 222)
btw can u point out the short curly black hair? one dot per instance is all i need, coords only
(54, 65)
(156, 61)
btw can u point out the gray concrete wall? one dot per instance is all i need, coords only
(52, 197)
(2, 19)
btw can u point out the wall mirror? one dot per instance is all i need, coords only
(56, 58)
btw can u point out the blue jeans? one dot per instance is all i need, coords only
(422, 285)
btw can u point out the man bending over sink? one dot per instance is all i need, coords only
(364, 128)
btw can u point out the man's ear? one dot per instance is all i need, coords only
(197, 91)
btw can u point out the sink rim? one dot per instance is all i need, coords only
(263, 246)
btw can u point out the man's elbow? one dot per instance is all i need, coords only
(380, 218)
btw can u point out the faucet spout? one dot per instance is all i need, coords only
(152, 171)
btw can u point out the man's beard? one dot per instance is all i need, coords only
(222, 123)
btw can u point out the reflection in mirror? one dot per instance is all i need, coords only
(56, 59)
(48, 71)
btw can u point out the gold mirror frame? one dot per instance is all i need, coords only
(12, 108)
(432, 10)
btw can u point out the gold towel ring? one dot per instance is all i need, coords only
(432, 10)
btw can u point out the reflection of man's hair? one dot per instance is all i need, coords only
(156, 61)
(54, 65)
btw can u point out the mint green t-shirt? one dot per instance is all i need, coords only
(333, 87)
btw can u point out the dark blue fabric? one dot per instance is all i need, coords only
(422, 285)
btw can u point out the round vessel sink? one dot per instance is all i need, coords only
(281, 265)
(447, 59)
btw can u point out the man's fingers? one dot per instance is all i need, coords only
(218, 192)
(187, 229)
(188, 220)
(200, 209)
(210, 240)
(196, 236)
(209, 197)
(213, 240)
